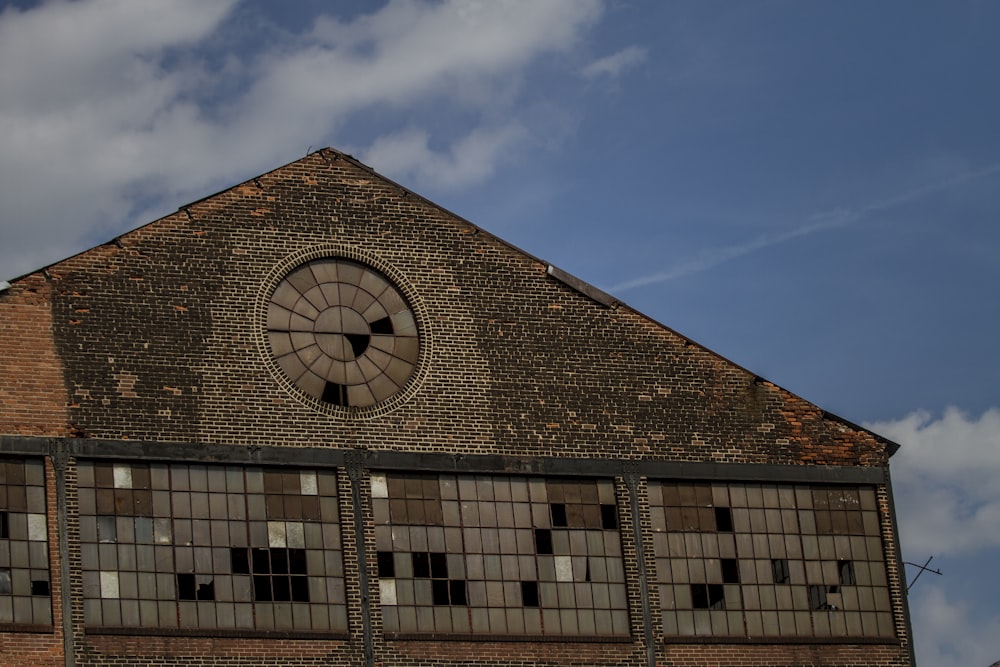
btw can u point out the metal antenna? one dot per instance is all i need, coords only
(923, 568)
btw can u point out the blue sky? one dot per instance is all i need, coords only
(811, 189)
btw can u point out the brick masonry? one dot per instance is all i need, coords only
(156, 336)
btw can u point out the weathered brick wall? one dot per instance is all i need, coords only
(158, 338)
(33, 396)
(155, 337)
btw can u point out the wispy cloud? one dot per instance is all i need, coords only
(117, 108)
(469, 160)
(616, 63)
(829, 220)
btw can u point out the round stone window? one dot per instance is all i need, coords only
(342, 333)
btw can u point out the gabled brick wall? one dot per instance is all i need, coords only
(157, 337)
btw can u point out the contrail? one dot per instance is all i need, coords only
(713, 257)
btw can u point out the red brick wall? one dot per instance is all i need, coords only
(33, 397)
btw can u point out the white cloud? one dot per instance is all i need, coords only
(116, 107)
(616, 63)
(946, 479)
(468, 160)
(949, 632)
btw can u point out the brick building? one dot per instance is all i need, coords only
(316, 419)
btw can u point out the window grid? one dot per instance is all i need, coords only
(496, 555)
(755, 560)
(24, 543)
(211, 547)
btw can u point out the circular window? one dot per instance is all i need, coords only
(342, 333)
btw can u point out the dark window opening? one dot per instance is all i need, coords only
(543, 541)
(5, 586)
(206, 591)
(730, 571)
(335, 393)
(279, 561)
(421, 564)
(281, 589)
(189, 589)
(456, 589)
(529, 593)
(382, 326)
(278, 574)
(708, 596)
(297, 561)
(723, 520)
(239, 560)
(262, 588)
(185, 587)
(439, 565)
(432, 565)
(586, 576)
(300, 589)
(4, 526)
(359, 343)
(559, 515)
(609, 517)
(386, 564)
(845, 569)
(779, 571)
(261, 560)
(817, 597)
(439, 589)
(40, 587)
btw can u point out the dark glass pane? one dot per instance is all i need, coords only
(439, 565)
(779, 570)
(543, 541)
(559, 519)
(186, 587)
(282, 589)
(846, 571)
(239, 560)
(297, 561)
(300, 589)
(730, 571)
(261, 561)
(262, 588)
(421, 565)
(279, 561)
(529, 593)
(457, 590)
(386, 564)
(716, 596)
(817, 597)
(440, 591)
(609, 517)
(723, 520)
(206, 591)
